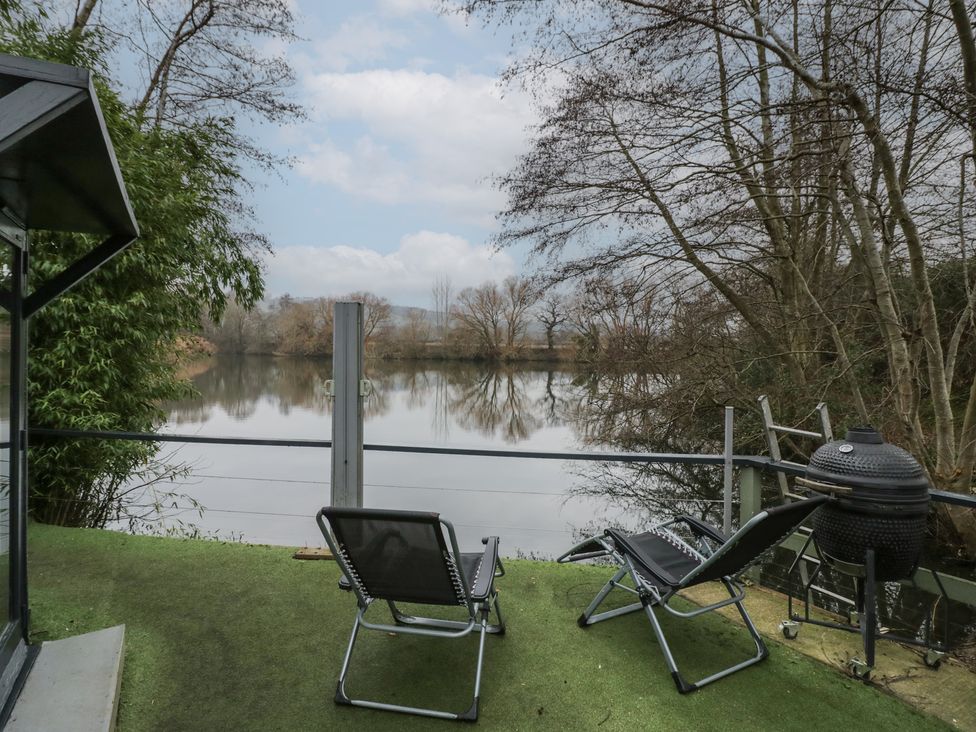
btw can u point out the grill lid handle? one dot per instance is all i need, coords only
(816, 485)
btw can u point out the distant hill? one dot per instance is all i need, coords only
(399, 314)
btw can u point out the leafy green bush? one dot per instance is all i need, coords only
(103, 355)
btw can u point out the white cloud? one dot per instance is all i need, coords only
(364, 168)
(357, 40)
(404, 276)
(427, 137)
(405, 7)
(456, 21)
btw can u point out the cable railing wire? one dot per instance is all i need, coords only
(742, 461)
(751, 461)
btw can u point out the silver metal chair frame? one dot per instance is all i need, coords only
(650, 596)
(478, 614)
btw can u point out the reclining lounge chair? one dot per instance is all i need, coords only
(660, 563)
(408, 556)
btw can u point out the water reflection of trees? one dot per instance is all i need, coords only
(554, 401)
(623, 412)
(497, 404)
(508, 402)
(497, 401)
(237, 385)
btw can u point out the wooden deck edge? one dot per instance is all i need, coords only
(313, 552)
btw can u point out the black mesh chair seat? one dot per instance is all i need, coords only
(653, 549)
(471, 563)
(660, 562)
(409, 556)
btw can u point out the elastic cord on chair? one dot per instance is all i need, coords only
(353, 574)
(675, 541)
(459, 589)
(477, 571)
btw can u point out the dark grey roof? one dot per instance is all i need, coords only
(57, 166)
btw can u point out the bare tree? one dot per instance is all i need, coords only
(240, 330)
(552, 312)
(443, 297)
(205, 59)
(413, 334)
(805, 164)
(304, 327)
(376, 312)
(479, 310)
(82, 14)
(619, 317)
(519, 295)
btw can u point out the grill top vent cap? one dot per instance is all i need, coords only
(865, 435)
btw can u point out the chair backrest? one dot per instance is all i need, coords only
(397, 555)
(762, 532)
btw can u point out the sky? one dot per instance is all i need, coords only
(407, 123)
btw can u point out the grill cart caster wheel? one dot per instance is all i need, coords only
(790, 629)
(859, 669)
(933, 658)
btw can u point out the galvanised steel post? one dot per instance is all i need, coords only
(347, 406)
(750, 503)
(727, 474)
(750, 494)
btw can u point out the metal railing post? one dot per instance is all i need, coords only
(347, 406)
(727, 474)
(750, 494)
(750, 503)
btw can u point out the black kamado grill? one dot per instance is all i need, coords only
(873, 530)
(882, 497)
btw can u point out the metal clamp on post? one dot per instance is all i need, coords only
(365, 387)
(328, 388)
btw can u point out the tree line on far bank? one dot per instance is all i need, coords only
(602, 320)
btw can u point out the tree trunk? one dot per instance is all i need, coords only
(82, 16)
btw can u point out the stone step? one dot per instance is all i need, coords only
(73, 686)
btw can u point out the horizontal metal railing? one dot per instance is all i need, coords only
(958, 588)
(760, 462)
(625, 457)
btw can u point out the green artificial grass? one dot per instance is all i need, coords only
(229, 636)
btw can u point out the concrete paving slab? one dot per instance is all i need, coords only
(946, 693)
(73, 686)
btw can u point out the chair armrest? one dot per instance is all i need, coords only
(703, 529)
(489, 561)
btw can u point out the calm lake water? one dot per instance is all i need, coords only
(270, 494)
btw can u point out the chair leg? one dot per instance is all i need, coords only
(340, 696)
(761, 650)
(683, 686)
(398, 617)
(499, 627)
(679, 681)
(588, 618)
(471, 715)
